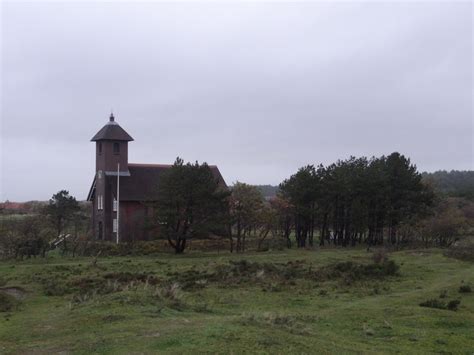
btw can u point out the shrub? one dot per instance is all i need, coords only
(433, 303)
(170, 294)
(391, 268)
(7, 302)
(462, 251)
(465, 289)
(352, 271)
(54, 288)
(380, 256)
(453, 305)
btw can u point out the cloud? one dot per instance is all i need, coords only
(258, 88)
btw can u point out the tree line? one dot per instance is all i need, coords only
(452, 183)
(371, 201)
(357, 201)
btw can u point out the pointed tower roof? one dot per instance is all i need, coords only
(112, 131)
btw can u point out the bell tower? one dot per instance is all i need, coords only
(111, 160)
(111, 148)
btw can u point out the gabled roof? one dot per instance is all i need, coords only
(142, 184)
(112, 131)
(90, 195)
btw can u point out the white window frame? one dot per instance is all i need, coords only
(99, 174)
(114, 205)
(100, 202)
(114, 225)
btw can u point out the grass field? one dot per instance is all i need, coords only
(295, 301)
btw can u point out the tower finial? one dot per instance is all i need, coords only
(112, 118)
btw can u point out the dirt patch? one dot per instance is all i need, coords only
(16, 292)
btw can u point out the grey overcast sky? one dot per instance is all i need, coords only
(258, 89)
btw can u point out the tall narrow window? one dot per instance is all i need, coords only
(99, 147)
(115, 205)
(115, 225)
(100, 202)
(116, 148)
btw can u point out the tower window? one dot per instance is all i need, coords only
(100, 202)
(116, 148)
(115, 225)
(99, 147)
(114, 205)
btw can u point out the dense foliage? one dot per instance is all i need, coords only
(191, 204)
(453, 183)
(356, 200)
(246, 204)
(60, 209)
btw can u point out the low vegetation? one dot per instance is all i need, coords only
(289, 301)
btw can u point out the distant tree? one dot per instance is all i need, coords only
(446, 225)
(452, 183)
(79, 230)
(61, 210)
(284, 217)
(268, 191)
(26, 236)
(407, 196)
(191, 203)
(301, 190)
(245, 205)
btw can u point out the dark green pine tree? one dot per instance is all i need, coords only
(191, 204)
(61, 209)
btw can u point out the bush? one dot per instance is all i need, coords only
(352, 271)
(433, 303)
(462, 251)
(7, 302)
(465, 289)
(380, 256)
(453, 305)
(171, 295)
(54, 288)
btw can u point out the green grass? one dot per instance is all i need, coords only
(311, 310)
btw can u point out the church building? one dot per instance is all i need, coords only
(122, 193)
